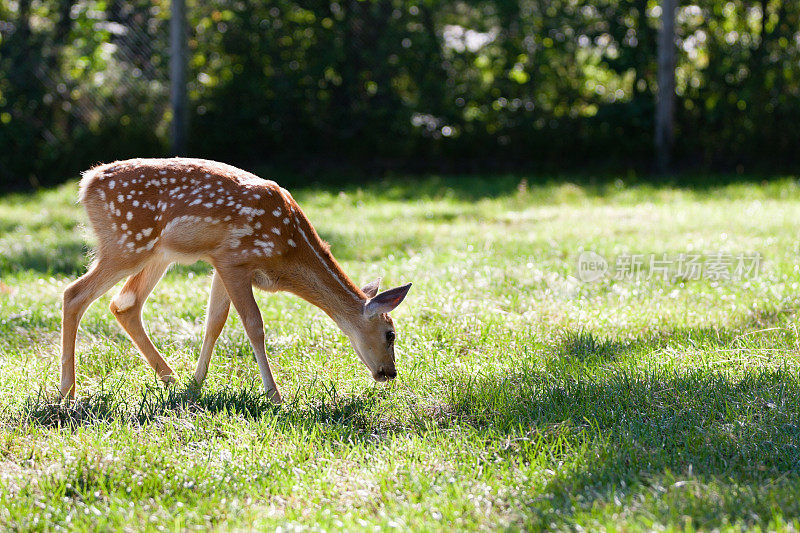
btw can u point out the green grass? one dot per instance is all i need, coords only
(526, 399)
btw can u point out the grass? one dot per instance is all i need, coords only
(526, 399)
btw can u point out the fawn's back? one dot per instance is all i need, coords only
(186, 209)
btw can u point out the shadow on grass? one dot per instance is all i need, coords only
(626, 436)
(331, 409)
(473, 187)
(612, 433)
(67, 258)
(586, 348)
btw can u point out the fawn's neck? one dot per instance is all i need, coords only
(319, 279)
(322, 289)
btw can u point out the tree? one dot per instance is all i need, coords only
(665, 95)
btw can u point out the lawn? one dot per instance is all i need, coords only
(652, 398)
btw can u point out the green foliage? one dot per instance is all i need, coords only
(388, 84)
(525, 400)
(80, 82)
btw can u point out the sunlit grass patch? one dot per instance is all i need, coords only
(526, 398)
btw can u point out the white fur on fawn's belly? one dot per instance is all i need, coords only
(124, 300)
(188, 239)
(183, 258)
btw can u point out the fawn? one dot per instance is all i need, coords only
(149, 213)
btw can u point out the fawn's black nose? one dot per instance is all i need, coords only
(385, 373)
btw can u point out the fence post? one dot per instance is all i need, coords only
(177, 70)
(665, 97)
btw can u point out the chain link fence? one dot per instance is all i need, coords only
(80, 81)
(397, 85)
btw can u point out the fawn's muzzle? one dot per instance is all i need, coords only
(385, 373)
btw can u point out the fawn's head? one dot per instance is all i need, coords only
(373, 334)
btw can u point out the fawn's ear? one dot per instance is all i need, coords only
(371, 289)
(386, 301)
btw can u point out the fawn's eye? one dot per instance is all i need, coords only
(390, 337)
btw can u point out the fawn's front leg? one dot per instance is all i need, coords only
(218, 306)
(238, 283)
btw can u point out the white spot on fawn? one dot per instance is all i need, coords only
(129, 216)
(147, 231)
(291, 243)
(238, 233)
(111, 184)
(242, 231)
(124, 300)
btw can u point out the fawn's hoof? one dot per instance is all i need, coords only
(169, 379)
(66, 393)
(275, 397)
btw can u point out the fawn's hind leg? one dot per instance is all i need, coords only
(127, 308)
(77, 297)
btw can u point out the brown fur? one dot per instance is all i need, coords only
(148, 213)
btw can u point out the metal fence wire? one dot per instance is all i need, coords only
(397, 84)
(72, 67)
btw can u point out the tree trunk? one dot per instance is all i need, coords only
(177, 70)
(665, 97)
